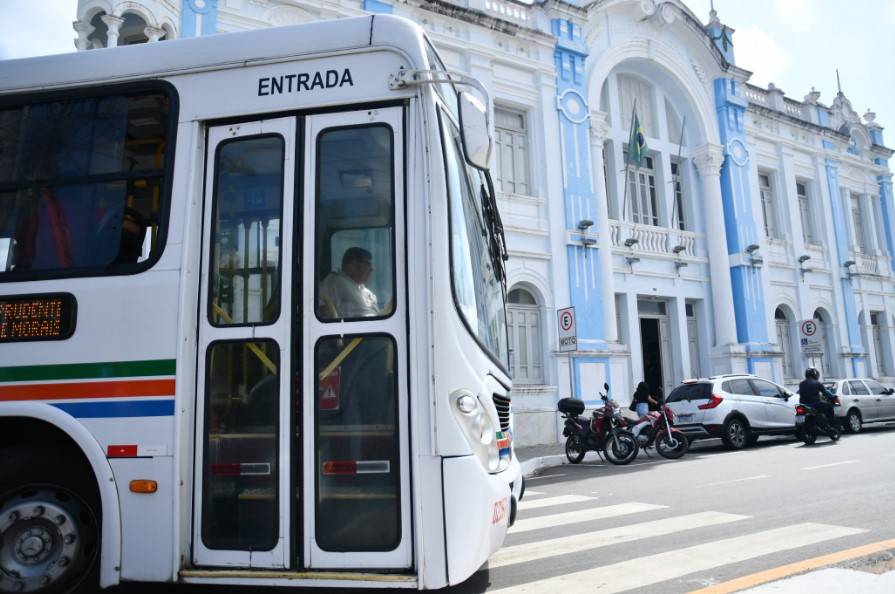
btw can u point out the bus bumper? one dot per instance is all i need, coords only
(477, 508)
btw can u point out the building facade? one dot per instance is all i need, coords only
(750, 218)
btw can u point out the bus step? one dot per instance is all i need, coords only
(276, 577)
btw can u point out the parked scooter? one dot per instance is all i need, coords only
(604, 432)
(656, 428)
(810, 421)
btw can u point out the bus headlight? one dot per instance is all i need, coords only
(478, 428)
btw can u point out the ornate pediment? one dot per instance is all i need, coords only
(842, 115)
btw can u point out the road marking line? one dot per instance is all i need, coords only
(771, 575)
(587, 515)
(549, 501)
(543, 476)
(589, 541)
(739, 480)
(829, 465)
(530, 492)
(630, 574)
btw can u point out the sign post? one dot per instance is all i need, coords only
(568, 339)
(809, 339)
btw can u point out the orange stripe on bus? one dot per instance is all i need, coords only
(88, 390)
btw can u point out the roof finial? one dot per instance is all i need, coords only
(713, 14)
(838, 82)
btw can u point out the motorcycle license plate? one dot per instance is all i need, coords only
(800, 419)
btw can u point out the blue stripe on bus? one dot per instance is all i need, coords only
(127, 408)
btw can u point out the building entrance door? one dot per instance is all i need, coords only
(656, 353)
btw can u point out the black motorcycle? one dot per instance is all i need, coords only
(604, 432)
(810, 421)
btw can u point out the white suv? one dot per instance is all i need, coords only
(737, 408)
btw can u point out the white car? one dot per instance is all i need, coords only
(862, 401)
(737, 408)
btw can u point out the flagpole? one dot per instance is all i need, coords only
(680, 173)
(627, 157)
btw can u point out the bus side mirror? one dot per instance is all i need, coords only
(474, 130)
(605, 386)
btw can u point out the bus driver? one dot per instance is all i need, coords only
(343, 294)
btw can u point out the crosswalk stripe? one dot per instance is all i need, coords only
(630, 574)
(611, 536)
(586, 515)
(558, 500)
(530, 492)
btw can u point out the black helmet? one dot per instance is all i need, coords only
(812, 373)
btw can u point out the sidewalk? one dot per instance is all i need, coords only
(534, 459)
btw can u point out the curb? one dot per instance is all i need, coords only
(534, 466)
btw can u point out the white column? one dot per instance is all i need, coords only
(83, 29)
(682, 344)
(634, 342)
(599, 127)
(153, 34)
(708, 160)
(868, 216)
(114, 24)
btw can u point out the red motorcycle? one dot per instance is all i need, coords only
(656, 428)
(605, 432)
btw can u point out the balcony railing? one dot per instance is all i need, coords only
(653, 240)
(865, 263)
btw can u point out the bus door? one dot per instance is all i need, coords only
(356, 512)
(303, 458)
(243, 453)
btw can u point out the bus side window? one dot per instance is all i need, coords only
(355, 223)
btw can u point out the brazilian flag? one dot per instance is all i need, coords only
(637, 144)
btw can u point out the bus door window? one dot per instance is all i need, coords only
(245, 244)
(358, 504)
(240, 495)
(355, 223)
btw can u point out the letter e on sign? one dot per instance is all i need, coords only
(568, 337)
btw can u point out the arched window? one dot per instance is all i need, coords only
(784, 339)
(132, 30)
(823, 335)
(524, 330)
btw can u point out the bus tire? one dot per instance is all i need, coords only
(49, 523)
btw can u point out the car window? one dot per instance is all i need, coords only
(858, 388)
(738, 386)
(876, 387)
(766, 389)
(690, 392)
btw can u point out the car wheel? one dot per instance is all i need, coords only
(853, 421)
(736, 434)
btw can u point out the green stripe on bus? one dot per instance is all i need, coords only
(88, 370)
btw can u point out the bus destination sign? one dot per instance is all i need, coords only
(37, 317)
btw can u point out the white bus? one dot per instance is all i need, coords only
(252, 322)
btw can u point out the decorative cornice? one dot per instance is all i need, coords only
(708, 159)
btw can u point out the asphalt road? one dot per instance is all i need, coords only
(666, 527)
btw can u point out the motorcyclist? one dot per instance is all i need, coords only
(814, 394)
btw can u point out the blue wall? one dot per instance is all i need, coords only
(741, 223)
(842, 254)
(579, 198)
(188, 18)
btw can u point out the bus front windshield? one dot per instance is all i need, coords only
(477, 282)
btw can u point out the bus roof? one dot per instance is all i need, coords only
(181, 56)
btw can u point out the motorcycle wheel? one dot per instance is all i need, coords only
(574, 450)
(621, 448)
(807, 435)
(672, 445)
(834, 433)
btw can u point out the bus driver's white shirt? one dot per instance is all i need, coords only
(349, 298)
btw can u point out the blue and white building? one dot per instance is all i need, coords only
(752, 213)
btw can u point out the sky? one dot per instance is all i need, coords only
(796, 44)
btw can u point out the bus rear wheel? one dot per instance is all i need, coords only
(49, 524)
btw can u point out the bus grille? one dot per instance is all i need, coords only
(502, 404)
